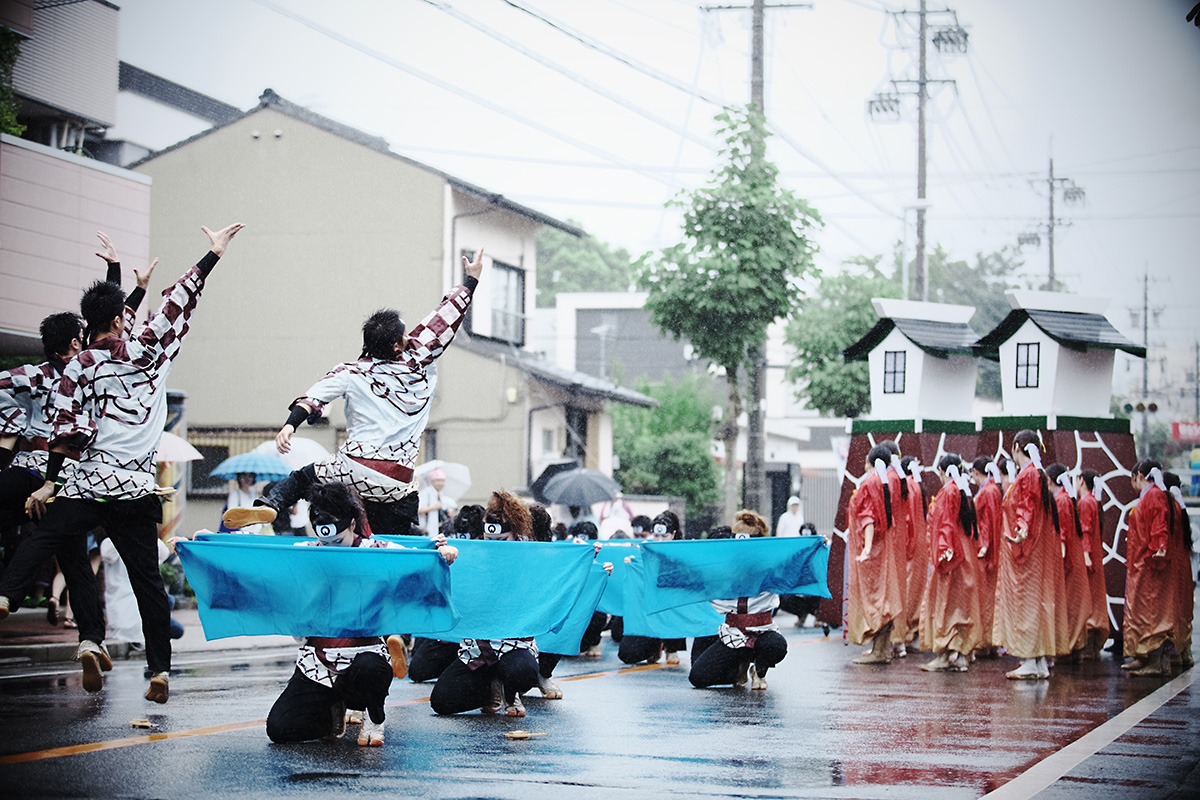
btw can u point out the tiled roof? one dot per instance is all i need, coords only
(939, 339)
(1072, 330)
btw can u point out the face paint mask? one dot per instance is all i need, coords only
(329, 528)
(495, 530)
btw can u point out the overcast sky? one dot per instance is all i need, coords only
(598, 111)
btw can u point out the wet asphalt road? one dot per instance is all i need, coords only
(824, 728)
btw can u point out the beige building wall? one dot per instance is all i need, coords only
(51, 205)
(334, 231)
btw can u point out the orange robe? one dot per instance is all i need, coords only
(918, 559)
(900, 551)
(1151, 593)
(991, 526)
(1030, 576)
(1079, 595)
(874, 588)
(1093, 545)
(1179, 551)
(951, 617)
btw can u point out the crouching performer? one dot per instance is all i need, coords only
(336, 674)
(749, 639)
(490, 674)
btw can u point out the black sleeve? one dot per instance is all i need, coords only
(54, 464)
(297, 417)
(134, 298)
(114, 273)
(471, 282)
(207, 263)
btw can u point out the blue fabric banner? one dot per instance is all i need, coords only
(513, 589)
(613, 599)
(678, 573)
(565, 641)
(692, 619)
(245, 587)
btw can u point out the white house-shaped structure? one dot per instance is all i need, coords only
(1056, 355)
(922, 360)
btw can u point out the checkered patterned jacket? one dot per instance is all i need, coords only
(388, 402)
(112, 400)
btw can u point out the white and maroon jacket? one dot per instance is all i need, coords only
(745, 618)
(112, 399)
(388, 404)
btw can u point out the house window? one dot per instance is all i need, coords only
(216, 445)
(893, 372)
(1028, 357)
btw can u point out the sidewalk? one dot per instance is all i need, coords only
(26, 637)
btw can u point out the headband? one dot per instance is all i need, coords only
(1098, 488)
(914, 468)
(1156, 477)
(1035, 454)
(1068, 484)
(1012, 470)
(896, 463)
(959, 480)
(1177, 493)
(992, 471)
(881, 470)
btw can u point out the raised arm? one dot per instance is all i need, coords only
(167, 327)
(432, 335)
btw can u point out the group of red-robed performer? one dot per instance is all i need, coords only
(1016, 566)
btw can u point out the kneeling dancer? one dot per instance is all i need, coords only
(335, 674)
(749, 639)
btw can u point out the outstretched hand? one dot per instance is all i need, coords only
(283, 439)
(474, 268)
(143, 278)
(108, 253)
(220, 239)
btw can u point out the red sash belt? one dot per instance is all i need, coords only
(397, 472)
(34, 443)
(744, 621)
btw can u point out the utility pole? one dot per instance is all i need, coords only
(949, 38)
(1072, 194)
(754, 490)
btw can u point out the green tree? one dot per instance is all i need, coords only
(745, 245)
(10, 48)
(837, 315)
(568, 263)
(667, 450)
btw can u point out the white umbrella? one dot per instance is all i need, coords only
(175, 448)
(458, 476)
(303, 452)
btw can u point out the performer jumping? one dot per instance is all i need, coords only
(110, 408)
(388, 393)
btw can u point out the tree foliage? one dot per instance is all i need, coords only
(745, 242)
(10, 48)
(840, 313)
(668, 450)
(745, 246)
(568, 263)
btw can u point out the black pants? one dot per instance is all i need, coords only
(635, 649)
(546, 664)
(305, 709)
(799, 604)
(429, 659)
(461, 688)
(396, 518)
(714, 664)
(16, 484)
(591, 636)
(133, 527)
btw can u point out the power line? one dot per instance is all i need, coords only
(354, 44)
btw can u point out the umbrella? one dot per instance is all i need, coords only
(538, 486)
(264, 465)
(303, 452)
(458, 476)
(175, 448)
(580, 487)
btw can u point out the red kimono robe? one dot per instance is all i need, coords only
(951, 617)
(874, 588)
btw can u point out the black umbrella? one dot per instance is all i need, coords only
(539, 485)
(580, 487)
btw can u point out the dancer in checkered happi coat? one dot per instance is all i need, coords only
(388, 393)
(109, 412)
